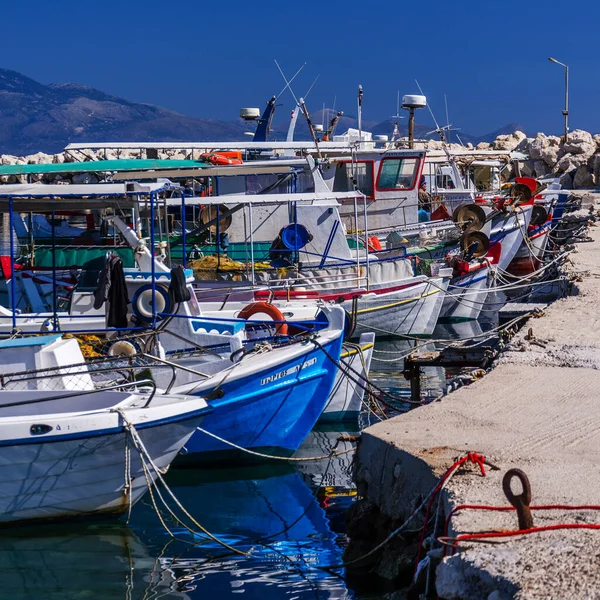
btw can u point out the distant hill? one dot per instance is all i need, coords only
(45, 118)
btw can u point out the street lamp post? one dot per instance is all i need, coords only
(566, 111)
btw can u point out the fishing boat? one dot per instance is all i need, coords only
(267, 402)
(530, 256)
(209, 323)
(69, 448)
(481, 255)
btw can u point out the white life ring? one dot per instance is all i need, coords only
(122, 348)
(141, 303)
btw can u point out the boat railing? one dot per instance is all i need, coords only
(70, 393)
(106, 373)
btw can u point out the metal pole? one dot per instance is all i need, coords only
(357, 242)
(13, 291)
(251, 240)
(54, 317)
(183, 231)
(152, 265)
(366, 238)
(566, 113)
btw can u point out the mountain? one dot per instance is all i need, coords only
(45, 118)
(36, 117)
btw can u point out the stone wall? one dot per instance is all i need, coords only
(576, 162)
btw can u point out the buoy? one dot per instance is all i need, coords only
(268, 309)
(373, 244)
(141, 302)
(122, 348)
(218, 159)
(295, 236)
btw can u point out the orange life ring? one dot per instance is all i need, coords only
(374, 244)
(267, 309)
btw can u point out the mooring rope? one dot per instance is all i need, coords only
(272, 456)
(145, 456)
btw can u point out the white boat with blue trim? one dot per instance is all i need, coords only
(66, 446)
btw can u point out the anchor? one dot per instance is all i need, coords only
(520, 501)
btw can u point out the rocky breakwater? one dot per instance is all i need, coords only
(41, 158)
(575, 162)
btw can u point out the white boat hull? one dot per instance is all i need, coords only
(411, 311)
(79, 466)
(346, 397)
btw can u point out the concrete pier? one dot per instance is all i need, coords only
(537, 410)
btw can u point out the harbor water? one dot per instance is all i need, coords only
(289, 517)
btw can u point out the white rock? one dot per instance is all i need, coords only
(58, 159)
(583, 178)
(596, 167)
(527, 168)
(546, 148)
(537, 144)
(434, 145)
(580, 142)
(508, 142)
(569, 162)
(524, 145)
(566, 181)
(483, 146)
(9, 159)
(540, 168)
(39, 158)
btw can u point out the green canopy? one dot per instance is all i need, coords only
(126, 164)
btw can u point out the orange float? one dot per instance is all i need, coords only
(267, 309)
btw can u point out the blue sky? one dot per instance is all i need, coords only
(207, 59)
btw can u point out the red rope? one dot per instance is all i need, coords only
(515, 532)
(473, 457)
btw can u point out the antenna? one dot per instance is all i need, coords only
(411, 103)
(312, 85)
(360, 99)
(437, 127)
(302, 105)
(287, 83)
(447, 117)
(397, 116)
(446, 128)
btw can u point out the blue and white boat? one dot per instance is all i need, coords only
(270, 400)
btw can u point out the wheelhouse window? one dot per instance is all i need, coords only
(397, 174)
(363, 174)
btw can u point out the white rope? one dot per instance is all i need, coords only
(143, 452)
(254, 453)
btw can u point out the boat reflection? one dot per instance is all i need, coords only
(99, 560)
(267, 511)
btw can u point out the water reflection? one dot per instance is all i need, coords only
(269, 512)
(289, 517)
(97, 561)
